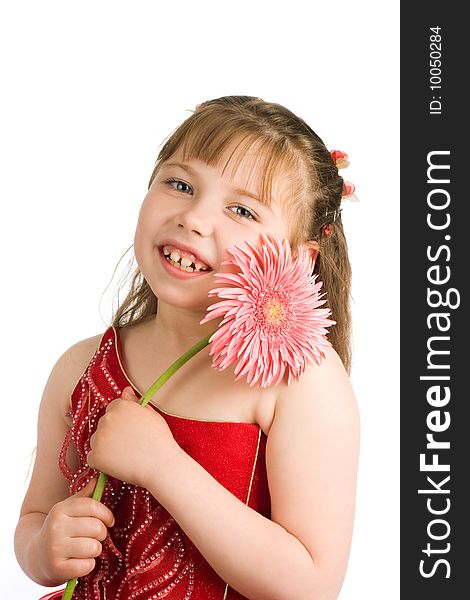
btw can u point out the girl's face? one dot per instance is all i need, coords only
(194, 212)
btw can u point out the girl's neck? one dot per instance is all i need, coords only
(177, 329)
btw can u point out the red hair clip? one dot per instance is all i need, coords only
(348, 188)
(341, 161)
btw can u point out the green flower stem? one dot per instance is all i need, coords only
(153, 389)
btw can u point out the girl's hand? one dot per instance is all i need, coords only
(71, 535)
(130, 441)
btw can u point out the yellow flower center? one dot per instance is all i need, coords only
(274, 312)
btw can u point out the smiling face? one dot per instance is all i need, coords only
(194, 212)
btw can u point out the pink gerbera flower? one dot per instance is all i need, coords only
(272, 320)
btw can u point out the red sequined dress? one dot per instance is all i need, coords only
(146, 554)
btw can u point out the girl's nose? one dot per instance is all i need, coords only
(199, 218)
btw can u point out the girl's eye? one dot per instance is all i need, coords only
(181, 186)
(178, 187)
(244, 212)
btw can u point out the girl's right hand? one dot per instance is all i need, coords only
(71, 535)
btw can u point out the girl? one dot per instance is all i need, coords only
(216, 490)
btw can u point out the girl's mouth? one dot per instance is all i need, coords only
(179, 259)
(179, 266)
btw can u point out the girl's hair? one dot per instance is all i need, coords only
(284, 144)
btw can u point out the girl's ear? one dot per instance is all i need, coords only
(312, 247)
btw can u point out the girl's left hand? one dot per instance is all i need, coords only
(131, 442)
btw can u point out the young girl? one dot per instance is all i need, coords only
(216, 490)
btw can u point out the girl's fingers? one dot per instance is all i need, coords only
(82, 547)
(78, 567)
(87, 507)
(128, 393)
(88, 527)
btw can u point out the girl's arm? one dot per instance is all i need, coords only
(46, 504)
(311, 457)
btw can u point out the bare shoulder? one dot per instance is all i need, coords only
(323, 389)
(319, 408)
(69, 368)
(77, 356)
(311, 461)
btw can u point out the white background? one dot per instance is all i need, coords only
(89, 92)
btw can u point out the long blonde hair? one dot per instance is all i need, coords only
(284, 143)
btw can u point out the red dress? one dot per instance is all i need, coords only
(146, 554)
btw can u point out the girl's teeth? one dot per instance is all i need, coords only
(181, 266)
(183, 263)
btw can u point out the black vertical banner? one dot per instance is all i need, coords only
(435, 267)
